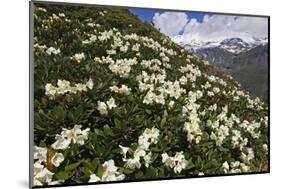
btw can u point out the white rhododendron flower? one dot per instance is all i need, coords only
(177, 163)
(40, 47)
(61, 15)
(40, 154)
(57, 182)
(57, 159)
(171, 104)
(140, 152)
(90, 84)
(225, 166)
(192, 127)
(265, 148)
(52, 50)
(216, 90)
(61, 143)
(42, 177)
(124, 150)
(74, 135)
(38, 168)
(111, 52)
(94, 178)
(122, 67)
(165, 158)
(136, 47)
(92, 38)
(248, 156)
(78, 57)
(55, 17)
(50, 90)
(235, 167)
(80, 87)
(41, 9)
(237, 140)
(110, 173)
(111, 103)
(147, 159)
(124, 89)
(64, 87)
(132, 163)
(149, 136)
(102, 108)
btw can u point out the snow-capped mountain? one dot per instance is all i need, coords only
(245, 60)
(232, 45)
(235, 45)
(193, 45)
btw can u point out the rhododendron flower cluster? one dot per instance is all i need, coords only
(177, 163)
(110, 173)
(149, 136)
(104, 107)
(42, 175)
(74, 135)
(64, 87)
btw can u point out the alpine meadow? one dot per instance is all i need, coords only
(117, 100)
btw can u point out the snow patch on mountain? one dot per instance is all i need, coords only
(233, 45)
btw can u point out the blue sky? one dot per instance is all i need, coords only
(186, 26)
(147, 14)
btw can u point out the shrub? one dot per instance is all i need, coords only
(117, 100)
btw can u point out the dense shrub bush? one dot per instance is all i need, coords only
(117, 100)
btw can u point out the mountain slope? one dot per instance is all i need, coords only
(235, 45)
(246, 62)
(217, 57)
(251, 69)
(115, 99)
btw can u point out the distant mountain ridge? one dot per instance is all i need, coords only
(247, 61)
(233, 45)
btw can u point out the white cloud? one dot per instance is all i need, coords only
(212, 28)
(219, 27)
(170, 23)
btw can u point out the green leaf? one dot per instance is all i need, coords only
(63, 175)
(190, 165)
(107, 131)
(148, 111)
(128, 171)
(139, 175)
(161, 171)
(150, 172)
(95, 164)
(59, 113)
(100, 171)
(72, 166)
(99, 132)
(117, 123)
(87, 172)
(38, 127)
(163, 121)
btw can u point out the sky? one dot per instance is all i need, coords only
(147, 14)
(188, 26)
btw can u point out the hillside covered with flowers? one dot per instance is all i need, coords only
(116, 100)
